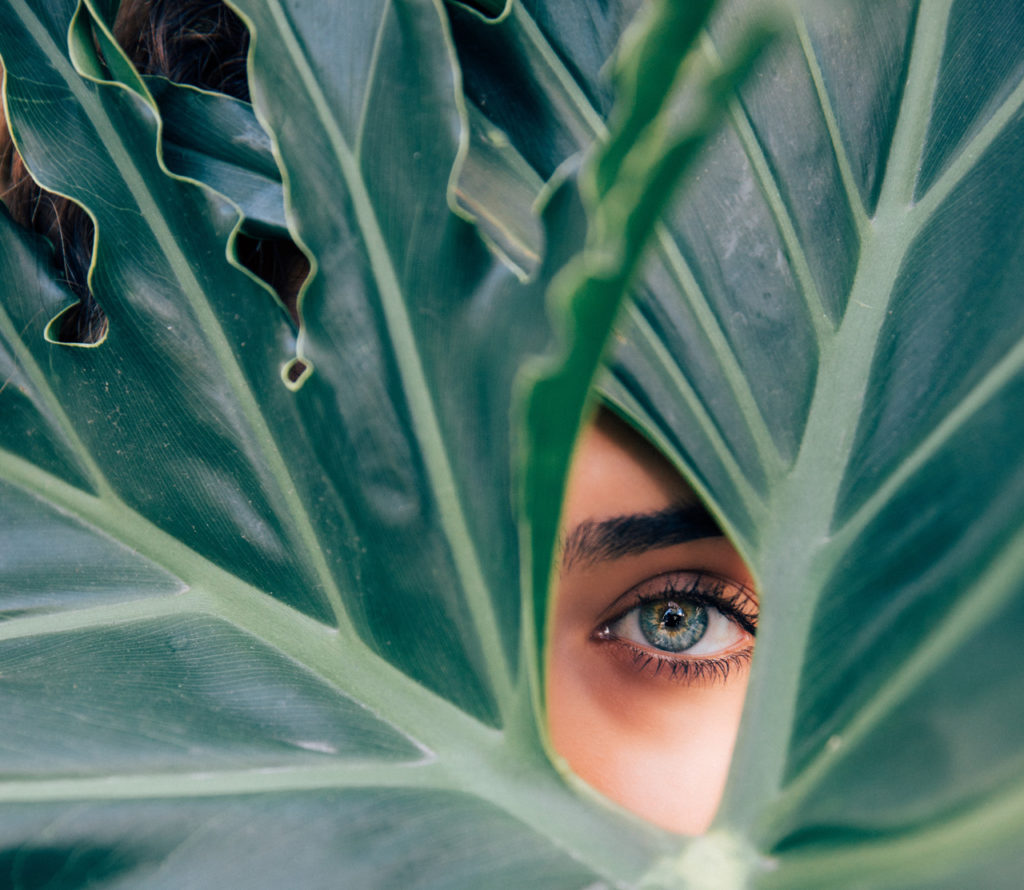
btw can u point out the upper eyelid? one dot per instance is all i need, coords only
(747, 621)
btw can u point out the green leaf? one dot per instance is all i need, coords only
(216, 140)
(852, 349)
(829, 343)
(267, 622)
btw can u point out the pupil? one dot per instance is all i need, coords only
(673, 617)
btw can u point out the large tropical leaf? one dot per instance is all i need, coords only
(263, 614)
(264, 622)
(830, 343)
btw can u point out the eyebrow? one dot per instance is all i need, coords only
(592, 542)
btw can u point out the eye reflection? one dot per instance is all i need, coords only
(653, 630)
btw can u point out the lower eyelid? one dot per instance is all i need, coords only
(692, 670)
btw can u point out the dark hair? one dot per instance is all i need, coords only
(197, 42)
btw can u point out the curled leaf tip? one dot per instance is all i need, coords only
(295, 373)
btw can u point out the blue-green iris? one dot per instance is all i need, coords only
(673, 626)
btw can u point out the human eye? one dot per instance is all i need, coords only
(684, 626)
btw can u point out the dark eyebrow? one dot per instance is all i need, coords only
(592, 542)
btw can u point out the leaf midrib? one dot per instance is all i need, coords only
(1001, 579)
(986, 597)
(804, 504)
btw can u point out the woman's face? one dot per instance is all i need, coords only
(652, 637)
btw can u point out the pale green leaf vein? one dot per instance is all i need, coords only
(998, 378)
(418, 396)
(336, 774)
(846, 175)
(670, 367)
(732, 372)
(971, 153)
(352, 668)
(41, 383)
(819, 316)
(997, 586)
(182, 268)
(583, 120)
(972, 833)
(910, 136)
(371, 80)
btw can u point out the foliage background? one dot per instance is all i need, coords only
(267, 629)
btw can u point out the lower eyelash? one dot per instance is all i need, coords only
(702, 671)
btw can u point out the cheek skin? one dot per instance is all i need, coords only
(665, 764)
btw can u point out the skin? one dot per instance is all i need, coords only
(654, 739)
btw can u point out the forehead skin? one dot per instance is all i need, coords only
(616, 472)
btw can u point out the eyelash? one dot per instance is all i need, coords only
(688, 670)
(704, 589)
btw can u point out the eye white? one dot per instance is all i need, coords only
(722, 633)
